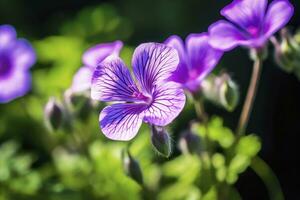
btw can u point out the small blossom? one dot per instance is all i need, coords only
(249, 23)
(16, 58)
(197, 60)
(91, 58)
(151, 98)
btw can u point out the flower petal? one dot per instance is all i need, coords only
(168, 102)
(202, 56)
(153, 63)
(93, 56)
(112, 82)
(23, 54)
(278, 15)
(82, 80)
(7, 34)
(225, 36)
(246, 13)
(121, 121)
(180, 75)
(14, 86)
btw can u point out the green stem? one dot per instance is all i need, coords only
(247, 108)
(202, 117)
(269, 178)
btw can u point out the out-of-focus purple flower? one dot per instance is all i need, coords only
(197, 60)
(91, 58)
(16, 57)
(152, 98)
(250, 23)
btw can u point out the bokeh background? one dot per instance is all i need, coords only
(62, 30)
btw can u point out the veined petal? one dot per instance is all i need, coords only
(23, 55)
(225, 36)
(168, 102)
(82, 80)
(121, 121)
(93, 56)
(14, 86)
(7, 35)
(278, 15)
(112, 82)
(180, 75)
(153, 63)
(203, 57)
(248, 14)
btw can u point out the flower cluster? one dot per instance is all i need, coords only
(163, 70)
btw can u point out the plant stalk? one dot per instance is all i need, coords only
(248, 104)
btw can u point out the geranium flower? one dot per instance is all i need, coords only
(197, 60)
(91, 58)
(16, 58)
(151, 98)
(249, 23)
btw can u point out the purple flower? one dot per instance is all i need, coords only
(91, 58)
(151, 98)
(197, 59)
(16, 57)
(250, 23)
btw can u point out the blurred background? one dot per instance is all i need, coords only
(60, 31)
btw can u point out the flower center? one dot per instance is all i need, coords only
(193, 74)
(253, 31)
(5, 66)
(141, 97)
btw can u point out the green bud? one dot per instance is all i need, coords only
(287, 52)
(222, 91)
(132, 167)
(161, 140)
(53, 113)
(190, 143)
(78, 103)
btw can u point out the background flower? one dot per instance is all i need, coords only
(16, 57)
(197, 60)
(249, 23)
(91, 58)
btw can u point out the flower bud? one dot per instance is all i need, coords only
(161, 140)
(79, 103)
(190, 143)
(287, 52)
(132, 167)
(53, 114)
(222, 91)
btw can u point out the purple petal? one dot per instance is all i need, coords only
(180, 75)
(278, 15)
(225, 36)
(168, 102)
(248, 14)
(202, 56)
(153, 63)
(23, 54)
(7, 35)
(14, 86)
(112, 82)
(121, 121)
(93, 56)
(82, 80)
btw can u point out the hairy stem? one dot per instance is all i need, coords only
(248, 104)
